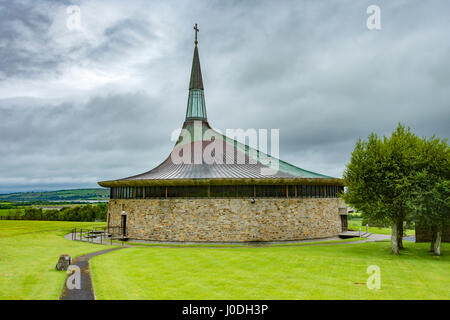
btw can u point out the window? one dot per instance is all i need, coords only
(292, 193)
(187, 192)
(155, 192)
(228, 191)
(271, 191)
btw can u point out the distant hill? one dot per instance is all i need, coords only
(94, 194)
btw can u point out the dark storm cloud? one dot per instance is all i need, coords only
(121, 37)
(310, 68)
(29, 48)
(23, 33)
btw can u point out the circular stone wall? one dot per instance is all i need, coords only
(228, 219)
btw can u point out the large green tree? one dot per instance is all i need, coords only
(379, 179)
(430, 199)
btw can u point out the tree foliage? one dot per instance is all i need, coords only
(380, 176)
(77, 213)
(430, 197)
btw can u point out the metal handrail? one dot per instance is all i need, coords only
(92, 233)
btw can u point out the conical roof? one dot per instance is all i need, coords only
(220, 157)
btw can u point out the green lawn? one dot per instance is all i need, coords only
(308, 272)
(29, 251)
(355, 223)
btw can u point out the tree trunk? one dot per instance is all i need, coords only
(437, 246)
(400, 234)
(433, 238)
(394, 238)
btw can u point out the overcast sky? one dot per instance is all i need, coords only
(82, 105)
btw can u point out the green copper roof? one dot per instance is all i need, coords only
(196, 107)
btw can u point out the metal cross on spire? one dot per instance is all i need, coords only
(196, 30)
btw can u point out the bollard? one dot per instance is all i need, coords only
(360, 232)
(367, 228)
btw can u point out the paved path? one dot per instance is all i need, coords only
(141, 243)
(206, 245)
(379, 237)
(410, 238)
(86, 292)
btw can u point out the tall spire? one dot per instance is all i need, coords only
(196, 72)
(196, 107)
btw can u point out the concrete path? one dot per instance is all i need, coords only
(379, 237)
(86, 292)
(166, 244)
(410, 238)
(176, 244)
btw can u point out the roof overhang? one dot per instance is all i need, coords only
(221, 181)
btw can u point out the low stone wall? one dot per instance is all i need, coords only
(423, 234)
(227, 220)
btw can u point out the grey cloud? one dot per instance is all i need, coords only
(23, 29)
(122, 37)
(118, 133)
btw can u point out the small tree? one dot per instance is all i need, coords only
(379, 179)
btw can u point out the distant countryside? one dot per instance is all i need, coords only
(62, 205)
(76, 195)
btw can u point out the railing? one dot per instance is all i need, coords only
(98, 234)
(115, 230)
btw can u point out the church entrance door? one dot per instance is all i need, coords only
(124, 225)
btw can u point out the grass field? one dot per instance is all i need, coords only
(29, 251)
(308, 272)
(355, 224)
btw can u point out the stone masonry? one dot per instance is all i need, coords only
(228, 220)
(423, 234)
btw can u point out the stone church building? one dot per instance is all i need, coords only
(213, 188)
